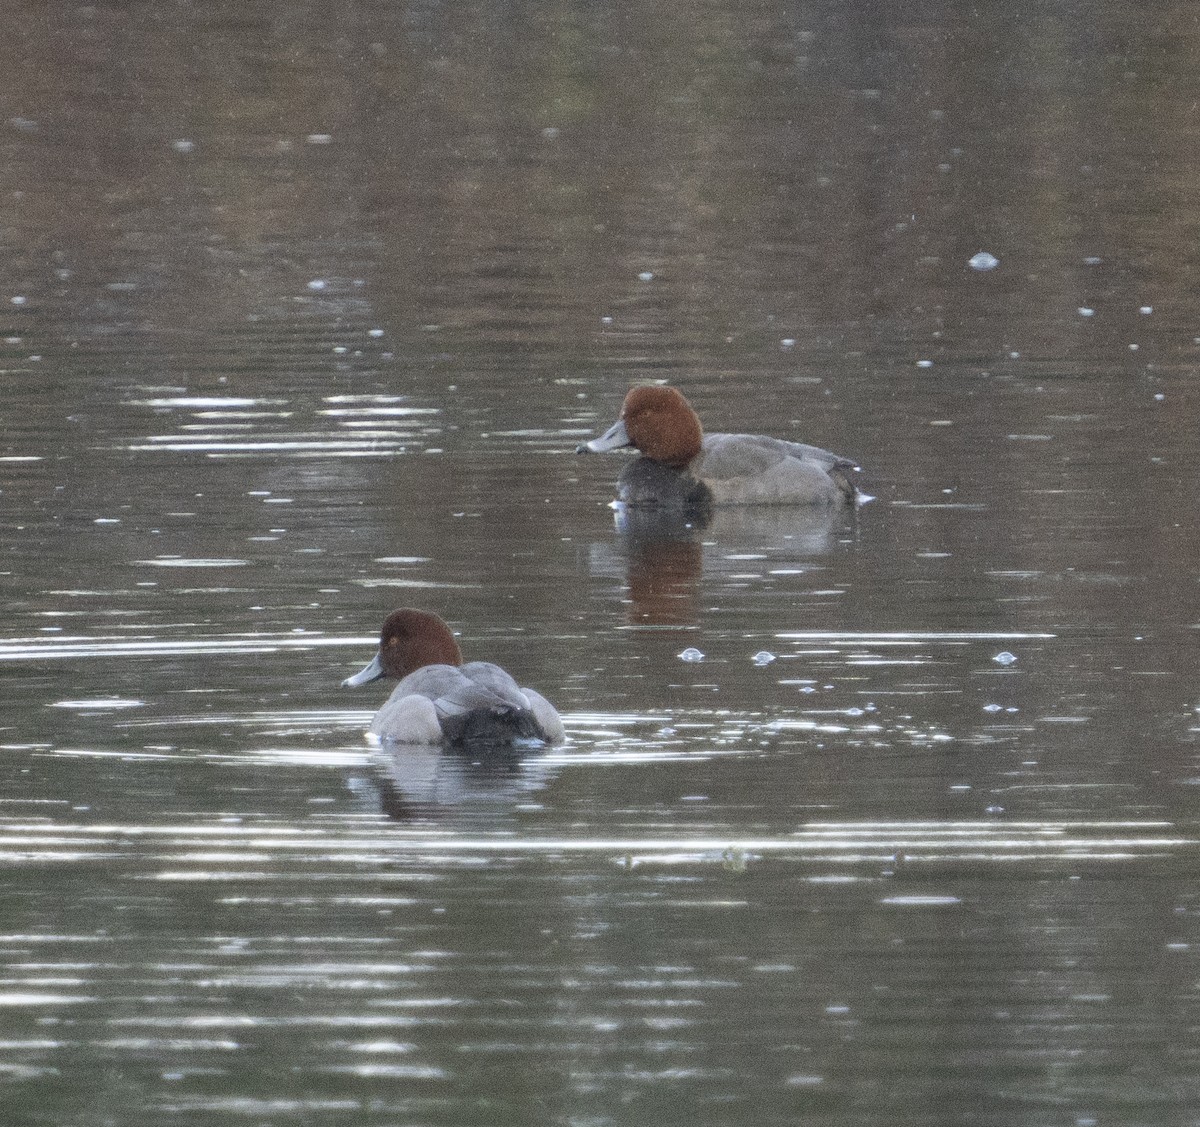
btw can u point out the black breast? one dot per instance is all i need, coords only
(647, 482)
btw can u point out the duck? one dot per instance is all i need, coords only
(682, 467)
(441, 700)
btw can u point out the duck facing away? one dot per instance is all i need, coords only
(681, 466)
(441, 700)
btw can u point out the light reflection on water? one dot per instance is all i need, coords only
(372, 426)
(75, 646)
(838, 843)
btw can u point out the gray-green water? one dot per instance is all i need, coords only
(305, 308)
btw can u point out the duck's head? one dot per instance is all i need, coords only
(409, 640)
(659, 422)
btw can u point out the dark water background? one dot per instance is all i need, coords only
(305, 307)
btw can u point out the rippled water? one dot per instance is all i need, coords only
(879, 817)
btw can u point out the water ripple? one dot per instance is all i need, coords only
(225, 427)
(189, 852)
(74, 646)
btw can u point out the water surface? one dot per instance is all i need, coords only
(306, 312)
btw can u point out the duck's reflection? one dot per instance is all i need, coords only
(424, 779)
(664, 560)
(666, 552)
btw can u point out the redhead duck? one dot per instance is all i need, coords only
(682, 466)
(441, 700)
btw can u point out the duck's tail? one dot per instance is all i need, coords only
(486, 725)
(842, 474)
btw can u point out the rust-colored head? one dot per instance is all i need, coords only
(409, 640)
(662, 425)
(413, 638)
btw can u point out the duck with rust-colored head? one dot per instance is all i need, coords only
(681, 466)
(441, 700)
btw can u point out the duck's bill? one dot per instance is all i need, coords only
(612, 439)
(372, 671)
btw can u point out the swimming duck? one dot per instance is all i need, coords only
(439, 699)
(682, 466)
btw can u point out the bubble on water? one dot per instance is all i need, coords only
(20, 299)
(1146, 310)
(1086, 311)
(1004, 658)
(374, 332)
(924, 363)
(1014, 356)
(183, 146)
(606, 320)
(550, 132)
(995, 809)
(691, 654)
(1093, 260)
(983, 261)
(317, 284)
(807, 689)
(854, 712)
(788, 342)
(1133, 348)
(993, 708)
(1159, 396)
(646, 276)
(763, 657)
(320, 138)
